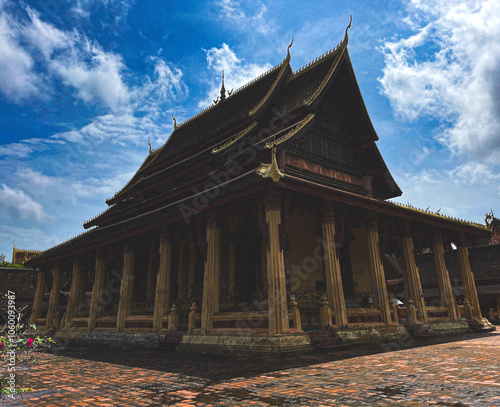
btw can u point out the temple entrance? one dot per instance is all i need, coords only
(247, 242)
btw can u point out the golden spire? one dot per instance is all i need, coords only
(222, 89)
(175, 122)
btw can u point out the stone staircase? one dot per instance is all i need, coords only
(325, 341)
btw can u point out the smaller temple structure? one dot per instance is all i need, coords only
(263, 219)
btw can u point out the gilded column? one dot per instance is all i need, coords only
(467, 277)
(76, 292)
(54, 295)
(276, 285)
(210, 303)
(38, 299)
(379, 286)
(126, 288)
(97, 289)
(162, 297)
(413, 278)
(445, 290)
(333, 276)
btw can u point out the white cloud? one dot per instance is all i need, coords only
(18, 204)
(473, 173)
(236, 71)
(449, 69)
(18, 79)
(234, 12)
(99, 80)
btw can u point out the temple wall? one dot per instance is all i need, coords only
(360, 262)
(305, 265)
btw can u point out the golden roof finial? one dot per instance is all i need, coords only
(288, 51)
(175, 122)
(149, 142)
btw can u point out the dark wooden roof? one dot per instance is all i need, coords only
(319, 103)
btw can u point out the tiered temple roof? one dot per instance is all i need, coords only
(318, 108)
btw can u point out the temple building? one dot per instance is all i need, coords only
(263, 218)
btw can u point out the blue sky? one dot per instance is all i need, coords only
(84, 84)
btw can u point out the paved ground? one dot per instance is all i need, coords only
(445, 372)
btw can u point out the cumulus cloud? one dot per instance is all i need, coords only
(449, 69)
(18, 204)
(236, 70)
(473, 173)
(19, 80)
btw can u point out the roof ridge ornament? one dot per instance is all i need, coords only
(175, 122)
(346, 38)
(150, 148)
(288, 51)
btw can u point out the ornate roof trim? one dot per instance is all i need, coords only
(292, 132)
(341, 45)
(436, 214)
(207, 109)
(284, 64)
(233, 139)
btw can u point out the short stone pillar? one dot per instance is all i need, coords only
(394, 311)
(411, 312)
(173, 319)
(295, 313)
(325, 313)
(192, 318)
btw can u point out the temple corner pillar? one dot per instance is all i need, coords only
(333, 276)
(467, 277)
(443, 276)
(126, 287)
(412, 276)
(210, 302)
(36, 311)
(276, 283)
(54, 296)
(97, 289)
(379, 284)
(163, 282)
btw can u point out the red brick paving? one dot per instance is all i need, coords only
(458, 372)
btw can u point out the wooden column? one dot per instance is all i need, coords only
(333, 276)
(181, 270)
(54, 295)
(163, 281)
(38, 299)
(126, 288)
(98, 289)
(191, 265)
(210, 303)
(76, 292)
(276, 285)
(379, 286)
(413, 278)
(467, 277)
(445, 291)
(149, 278)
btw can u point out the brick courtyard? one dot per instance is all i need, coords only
(458, 372)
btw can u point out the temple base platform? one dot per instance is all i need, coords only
(247, 344)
